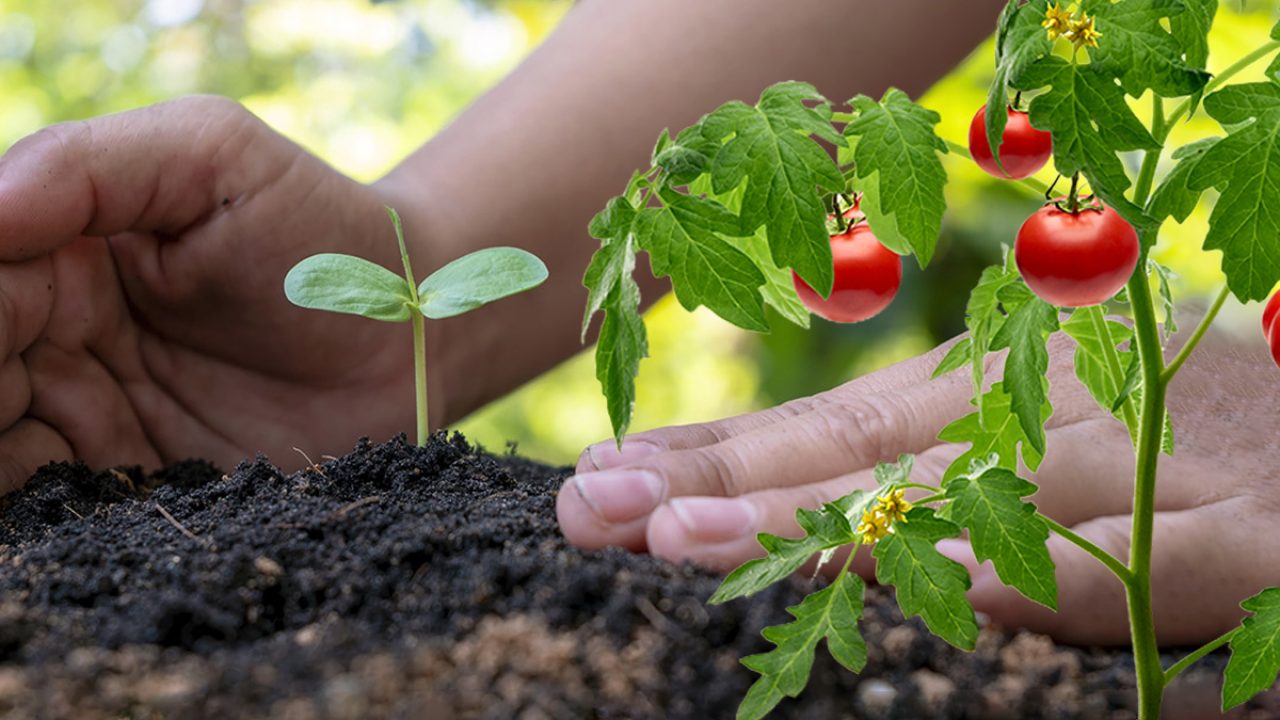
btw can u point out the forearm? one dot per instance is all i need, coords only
(532, 160)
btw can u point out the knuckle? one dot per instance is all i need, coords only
(868, 429)
(719, 471)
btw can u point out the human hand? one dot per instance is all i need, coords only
(172, 337)
(703, 492)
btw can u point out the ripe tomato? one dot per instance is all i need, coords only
(1076, 259)
(867, 277)
(1269, 315)
(1023, 149)
(1275, 343)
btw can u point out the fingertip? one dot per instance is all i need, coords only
(607, 454)
(581, 525)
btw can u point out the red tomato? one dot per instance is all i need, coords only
(1023, 149)
(1269, 315)
(867, 277)
(1076, 259)
(1275, 342)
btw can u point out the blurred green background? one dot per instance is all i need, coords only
(362, 83)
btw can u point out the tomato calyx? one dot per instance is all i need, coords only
(841, 221)
(1072, 203)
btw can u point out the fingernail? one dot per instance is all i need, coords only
(620, 495)
(715, 520)
(606, 455)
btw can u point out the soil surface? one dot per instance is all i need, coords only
(404, 582)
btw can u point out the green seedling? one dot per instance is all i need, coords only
(739, 211)
(354, 286)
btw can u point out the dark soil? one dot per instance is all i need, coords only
(433, 583)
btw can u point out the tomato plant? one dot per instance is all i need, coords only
(867, 276)
(734, 209)
(1023, 150)
(1076, 258)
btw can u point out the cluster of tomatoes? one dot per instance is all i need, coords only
(1071, 254)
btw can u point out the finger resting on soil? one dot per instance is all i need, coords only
(26, 446)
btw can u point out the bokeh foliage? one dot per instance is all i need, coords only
(362, 84)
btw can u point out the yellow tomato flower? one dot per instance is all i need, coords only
(894, 506)
(874, 526)
(1057, 21)
(1082, 32)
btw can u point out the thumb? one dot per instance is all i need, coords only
(156, 169)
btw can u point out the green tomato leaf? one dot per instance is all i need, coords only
(773, 150)
(477, 279)
(683, 239)
(899, 170)
(1175, 198)
(779, 290)
(687, 157)
(996, 431)
(1165, 275)
(826, 528)
(1086, 112)
(621, 346)
(615, 259)
(1020, 41)
(928, 584)
(1255, 650)
(958, 356)
(1136, 49)
(1191, 30)
(1103, 368)
(831, 613)
(1006, 530)
(894, 473)
(983, 318)
(349, 285)
(1026, 334)
(1245, 167)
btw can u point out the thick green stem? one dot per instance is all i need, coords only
(1146, 653)
(1196, 336)
(1191, 659)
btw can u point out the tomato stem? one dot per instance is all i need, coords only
(1167, 376)
(1029, 183)
(1073, 200)
(1104, 557)
(419, 336)
(1234, 69)
(1191, 658)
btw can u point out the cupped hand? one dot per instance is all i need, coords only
(142, 317)
(703, 492)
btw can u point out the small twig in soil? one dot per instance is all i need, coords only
(72, 510)
(181, 528)
(655, 617)
(128, 481)
(342, 511)
(310, 463)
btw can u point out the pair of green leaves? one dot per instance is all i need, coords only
(355, 286)
(1003, 528)
(732, 205)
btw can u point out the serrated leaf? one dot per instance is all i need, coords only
(958, 356)
(1100, 364)
(899, 170)
(685, 157)
(995, 432)
(1255, 650)
(928, 583)
(477, 279)
(349, 285)
(1006, 531)
(622, 344)
(1136, 49)
(1175, 197)
(779, 290)
(831, 613)
(1245, 167)
(615, 259)
(983, 318)
(1020, 41)
(683, 239)
(1086, 112)
(894, 473)
(824, 528)
(772, 149)
(1026, 334)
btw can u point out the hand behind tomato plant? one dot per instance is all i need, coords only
(172, 338)
(702, 492)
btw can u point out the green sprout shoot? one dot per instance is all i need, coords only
(354, 286)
